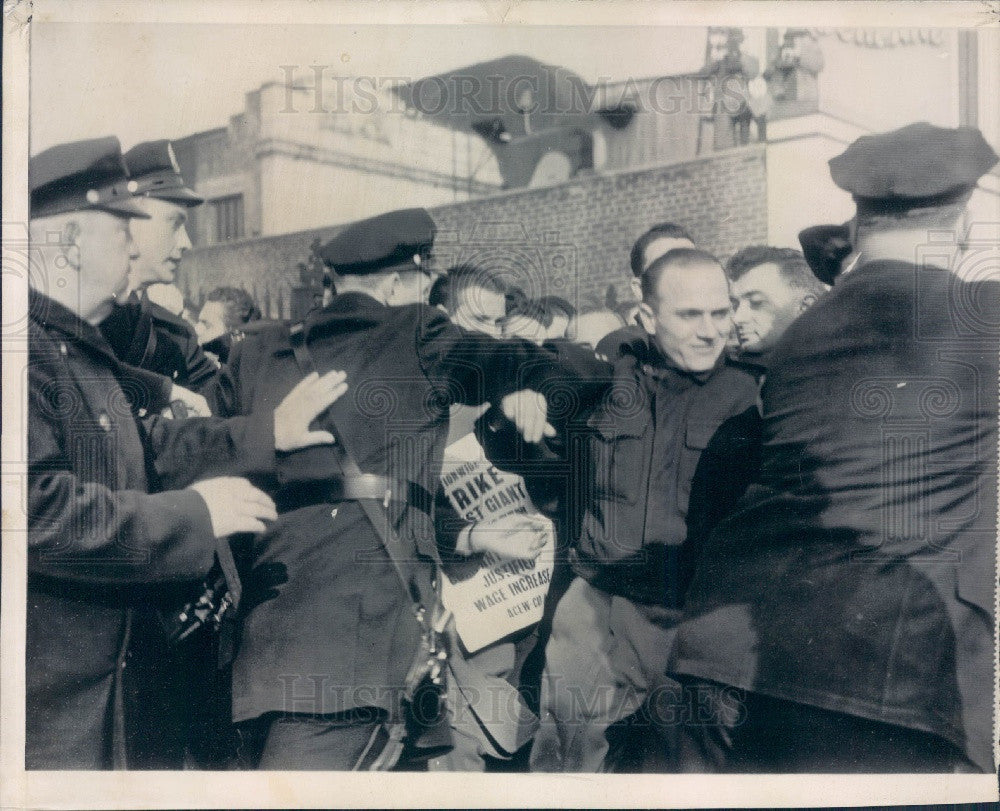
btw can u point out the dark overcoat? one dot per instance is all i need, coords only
(326, 625)
(146, 335)
(107, 527)
(858, 573)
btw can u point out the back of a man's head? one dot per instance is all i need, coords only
(475, 299)
(944, 217)
(238, 305)
(373, 283)
(670, 234)
(466, 277)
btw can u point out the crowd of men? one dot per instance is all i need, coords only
(752, 516)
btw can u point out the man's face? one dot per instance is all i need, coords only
(480, 310)
(106, 252)
(211, 321)
(765, 307)
(692, 315)
(162, 241)
(412, 287)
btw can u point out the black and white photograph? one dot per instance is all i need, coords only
(541, 403)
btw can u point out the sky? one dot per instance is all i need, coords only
(147, 81)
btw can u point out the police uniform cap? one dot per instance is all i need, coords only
(825, 247)
(153, 166)
(79, 176)
(382, 242)
(918, 166)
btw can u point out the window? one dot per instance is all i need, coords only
(228, 217)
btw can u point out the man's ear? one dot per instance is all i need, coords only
(636, 285)
(647, 318)
(69, 243)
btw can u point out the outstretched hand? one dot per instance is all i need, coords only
(311, 397)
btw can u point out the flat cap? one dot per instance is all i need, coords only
(381, 242)
(917, 166)
(81, 175)
(825, 247)
(153, 166)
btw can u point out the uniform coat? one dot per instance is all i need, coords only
(857, 574)
(146, 335)
(105, 528)
(326, 626)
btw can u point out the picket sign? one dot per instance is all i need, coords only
(491, 597)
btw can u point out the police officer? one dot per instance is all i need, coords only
(114, 508)
(330, 634)
(141, 332)
(842, 617)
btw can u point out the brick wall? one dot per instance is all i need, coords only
(572, 239)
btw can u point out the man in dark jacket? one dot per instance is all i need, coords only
(115, 511)
(842, 618)
(329, 635)
(143, 333)
(612, 629)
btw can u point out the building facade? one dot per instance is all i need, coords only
(303, 159)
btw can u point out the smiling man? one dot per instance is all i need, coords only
(611, 633)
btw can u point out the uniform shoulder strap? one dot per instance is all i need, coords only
(375, 511)
(297, 338)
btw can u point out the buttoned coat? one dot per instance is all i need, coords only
(107, 528)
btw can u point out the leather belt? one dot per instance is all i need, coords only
(299, 494)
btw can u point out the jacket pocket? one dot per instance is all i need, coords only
(697, 435)
(620, 460)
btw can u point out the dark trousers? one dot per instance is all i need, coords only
(734, 731)
(291, 742)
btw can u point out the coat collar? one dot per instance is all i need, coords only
(54, 317)
(347, 312)
(652, 363)
(753, 364)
